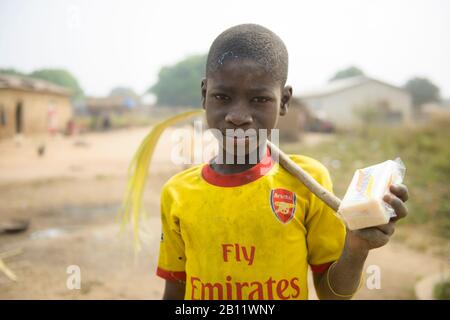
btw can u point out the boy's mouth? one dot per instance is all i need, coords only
(239, 141)
(239, 136)
(238, 133)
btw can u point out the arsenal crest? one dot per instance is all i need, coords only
(283, 204)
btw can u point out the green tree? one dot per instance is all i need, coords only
(349, 72)
(179, 85)
(60, 77)
(422, 91)
(12, 71)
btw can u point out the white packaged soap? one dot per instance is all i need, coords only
(363, 205)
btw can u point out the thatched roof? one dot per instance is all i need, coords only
(115, 103)
(31, 84)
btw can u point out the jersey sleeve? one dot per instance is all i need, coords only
(325, 229)
(171, 262)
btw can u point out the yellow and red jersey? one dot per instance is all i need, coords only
(249, 235)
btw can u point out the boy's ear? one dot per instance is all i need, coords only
(286, 96)
(203, 88)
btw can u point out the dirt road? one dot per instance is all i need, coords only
(72, 194)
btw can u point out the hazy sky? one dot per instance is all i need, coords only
(125, 42)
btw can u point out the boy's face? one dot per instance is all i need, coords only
(241, 94)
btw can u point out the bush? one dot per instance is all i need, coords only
(442, 290)
(423, 149)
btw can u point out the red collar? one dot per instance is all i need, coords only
(241, 178)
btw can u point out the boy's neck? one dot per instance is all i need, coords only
(260, 152)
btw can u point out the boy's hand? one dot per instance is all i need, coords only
(361, 241)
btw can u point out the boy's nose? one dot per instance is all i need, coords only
(238, 118)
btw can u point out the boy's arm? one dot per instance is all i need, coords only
(174, 290)
(171, 261)
(343, 278)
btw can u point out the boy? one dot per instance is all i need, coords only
(249, 230)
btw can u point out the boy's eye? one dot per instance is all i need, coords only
(260, 99)
(221, 97)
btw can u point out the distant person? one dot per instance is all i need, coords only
(106, 122)
(71, 127)
(52, 121)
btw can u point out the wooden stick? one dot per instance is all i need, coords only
(327, 197)
(7, 271)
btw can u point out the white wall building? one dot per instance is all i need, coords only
(339, 100)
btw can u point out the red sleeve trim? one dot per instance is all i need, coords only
(171, 275)
(321, 268)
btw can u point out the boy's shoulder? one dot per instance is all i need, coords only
(188, 177)
(314, 167)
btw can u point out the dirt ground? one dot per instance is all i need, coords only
(71, 196)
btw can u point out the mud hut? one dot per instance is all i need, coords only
(32, 106)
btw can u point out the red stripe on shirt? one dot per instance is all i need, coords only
(321, 268)
(241, 178)
(171, 275)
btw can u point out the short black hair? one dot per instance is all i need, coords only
(250, 41)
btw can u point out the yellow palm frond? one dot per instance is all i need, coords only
(132, 209)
